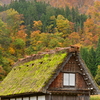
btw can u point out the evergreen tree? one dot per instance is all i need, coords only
(97, 78)
(92, 61)
(68, 13)
(89, 56)
(84, 54)
(73, 13)
(98, 53)
(22, 0)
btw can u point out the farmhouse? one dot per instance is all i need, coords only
(59, 74)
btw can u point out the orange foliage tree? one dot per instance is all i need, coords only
(21, 33)
(90, 33)
(74, 38)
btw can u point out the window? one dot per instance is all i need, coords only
(26, 98)
(33, 98)
(12, 98)
(69, 79)
(41, 97)
(18, 98)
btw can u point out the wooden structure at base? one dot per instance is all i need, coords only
(58, 78)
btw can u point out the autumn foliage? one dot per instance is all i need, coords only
(42, 27)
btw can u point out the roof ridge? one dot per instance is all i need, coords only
(39, 55)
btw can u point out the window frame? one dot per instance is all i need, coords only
(68, 82)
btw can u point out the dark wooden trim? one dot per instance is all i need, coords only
(70, 92)
(23, 95)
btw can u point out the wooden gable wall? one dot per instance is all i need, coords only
(72, 66)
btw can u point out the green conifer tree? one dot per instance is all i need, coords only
(84, 54)
(98, 53)
(92, 61)
(97, 78)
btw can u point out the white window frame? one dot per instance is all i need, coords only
(69, 79)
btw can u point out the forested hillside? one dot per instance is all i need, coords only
(81, 4)
(30, 27)
(59, 3)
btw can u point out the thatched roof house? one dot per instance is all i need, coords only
(58, 74)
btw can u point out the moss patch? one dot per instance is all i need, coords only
(31, 76)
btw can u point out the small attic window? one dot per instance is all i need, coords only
(69, 79)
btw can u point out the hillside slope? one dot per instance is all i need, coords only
(61, 3)
(5, 1)
(81, 4)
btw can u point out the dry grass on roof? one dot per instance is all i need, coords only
(31, 76)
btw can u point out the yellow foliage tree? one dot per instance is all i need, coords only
(63, 25)
(37, 25)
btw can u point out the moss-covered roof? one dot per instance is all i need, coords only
(31, 76)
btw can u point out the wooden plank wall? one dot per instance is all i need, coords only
(66, 97)
(70, 67)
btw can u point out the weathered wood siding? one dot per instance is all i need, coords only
(51, 97)
(80, 83)
(57, 83)
(66, 97)
(71, 67)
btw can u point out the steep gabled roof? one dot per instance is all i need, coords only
(35, 73)
(31, 76)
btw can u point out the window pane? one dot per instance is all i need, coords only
(72, 79)
(26, 98)
(41, 97)
(33, 98)
(18, 98)
(12, 98)
(66, 79)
